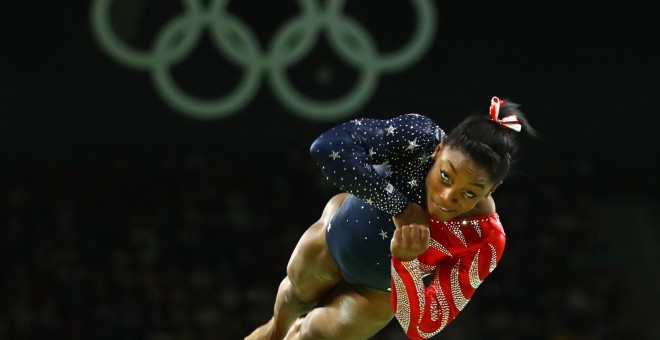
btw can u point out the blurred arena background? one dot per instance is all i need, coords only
(155, 174)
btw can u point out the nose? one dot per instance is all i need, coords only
(448, 195)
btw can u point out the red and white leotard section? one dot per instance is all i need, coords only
(462, 252)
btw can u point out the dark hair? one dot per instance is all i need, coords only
(489, 143)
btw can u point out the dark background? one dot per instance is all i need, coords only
(122, 218)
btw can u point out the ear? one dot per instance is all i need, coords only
(437, 150)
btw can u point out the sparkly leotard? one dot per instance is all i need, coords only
(382, 164)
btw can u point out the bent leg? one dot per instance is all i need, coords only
(311, 272)
(351, 313)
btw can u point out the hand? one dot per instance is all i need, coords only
(410, 241)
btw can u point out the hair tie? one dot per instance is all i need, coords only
(509, 121)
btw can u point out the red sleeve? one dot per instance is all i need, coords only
(424, 311)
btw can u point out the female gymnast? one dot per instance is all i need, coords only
(415, 202)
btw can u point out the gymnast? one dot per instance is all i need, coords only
(413, 233)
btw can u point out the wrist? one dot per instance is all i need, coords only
(406, 211)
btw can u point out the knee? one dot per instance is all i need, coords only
(308, 281)
(294, 295)
(308, 285)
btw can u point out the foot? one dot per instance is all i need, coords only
(264, 332)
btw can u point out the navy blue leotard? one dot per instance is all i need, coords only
(382, 164)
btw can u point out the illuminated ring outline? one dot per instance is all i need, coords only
(290, 44)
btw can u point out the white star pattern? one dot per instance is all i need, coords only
(388, 171)
(383, 233)
(424, 158)
(412, 145)
(346, 155)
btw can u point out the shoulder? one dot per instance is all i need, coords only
(485, 207)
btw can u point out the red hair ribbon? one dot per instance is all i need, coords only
(509, 121)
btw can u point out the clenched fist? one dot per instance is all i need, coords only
(410, 241)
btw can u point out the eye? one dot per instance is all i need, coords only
(469, 194)
(444, 176)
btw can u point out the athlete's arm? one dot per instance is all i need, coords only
(424, 311)
(348, 153)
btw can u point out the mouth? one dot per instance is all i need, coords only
(441, 207)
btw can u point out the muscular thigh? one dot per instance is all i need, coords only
(349, 312)
(311, 269)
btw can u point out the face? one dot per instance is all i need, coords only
(455, 184)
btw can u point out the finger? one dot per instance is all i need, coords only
(414, 234)
(396, 240)
(396, 237)
(405, 235)
(425, 235)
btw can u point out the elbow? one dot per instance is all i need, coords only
(319, 147)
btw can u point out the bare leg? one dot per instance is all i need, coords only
(351, 313)
(311, 273)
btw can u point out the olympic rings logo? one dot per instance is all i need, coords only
(291, 43)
